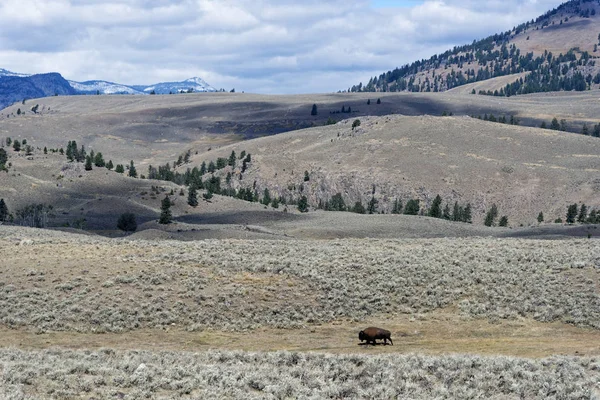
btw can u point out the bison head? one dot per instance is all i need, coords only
(361, 336)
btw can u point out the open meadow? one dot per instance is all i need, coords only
(90, 317)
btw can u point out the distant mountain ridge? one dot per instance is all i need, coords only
(557, 51)
(16, 87)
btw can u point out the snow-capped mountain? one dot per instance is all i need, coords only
(17, 87)
(102, 87)
(5, 72)
(189, 85)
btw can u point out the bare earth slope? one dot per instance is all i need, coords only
(522, 170)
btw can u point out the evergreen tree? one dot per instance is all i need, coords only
(378, 101)
(127, 222)
(412, 207)
(540, 217)
(436, 208)
(3, 159)
(314, 110)
(491, 216)
(369, 102)
(45, 150)
(99, 160)
(467, 216)
(88, 163)
(110, 165)
(581, 218)
(132, 171)
(397, 209)
(571, 213)
(446, 213)
(355, 124)
(3, 211)
(336, 203)
(303, 204)
(373, 205)
(457, 214)
(232, 159)
(585, 130)
(16, 145)
(203, 168)
(211, 167)
(192, 196)
(119, 168)
(166, 217)
(503, 221)
(266, 200)
(359, 208)
(306, 176)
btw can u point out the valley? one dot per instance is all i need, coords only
(232, 245)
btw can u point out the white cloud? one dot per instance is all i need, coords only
(269, 46)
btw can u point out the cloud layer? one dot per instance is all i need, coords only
(265, 46)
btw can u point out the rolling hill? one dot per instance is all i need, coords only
(557, 51)
(466, 160)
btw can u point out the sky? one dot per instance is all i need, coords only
(258, 46)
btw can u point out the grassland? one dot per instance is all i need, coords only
(106, 373)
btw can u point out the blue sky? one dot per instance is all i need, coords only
(263, 46)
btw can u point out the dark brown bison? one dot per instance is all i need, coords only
(372, 334)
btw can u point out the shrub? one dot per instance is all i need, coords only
(127, 222)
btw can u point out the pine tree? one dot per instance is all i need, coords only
(314, 110)
(397, 209)
(467, 216)
(436, 207)
(99, 160)
(446, 213)
(412, 207)
(45, 150)
(119, 169)
(132, 170)
(540, 217)
(88, 163)
(192, 196)
(3, 159)
(3, 211)
(303, 204)
(582, 214)
(503, 221)
(554, 125)
(373, 205)
(359, 208)
(571, 213)
(16, 145)
(232, 159)
(266, 200)
(166, 217)
(110, 165)
(491, 215)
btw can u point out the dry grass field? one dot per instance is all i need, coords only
(90, 317)
(523, 170)
(239, 300)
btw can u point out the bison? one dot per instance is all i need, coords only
(372, 334)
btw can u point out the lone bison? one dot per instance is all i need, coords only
(372, 334)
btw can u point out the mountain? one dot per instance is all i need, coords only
(102, 87)
(189, 85)
(16, 87)
(555, 52)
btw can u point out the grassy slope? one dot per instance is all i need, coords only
(156, 129)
